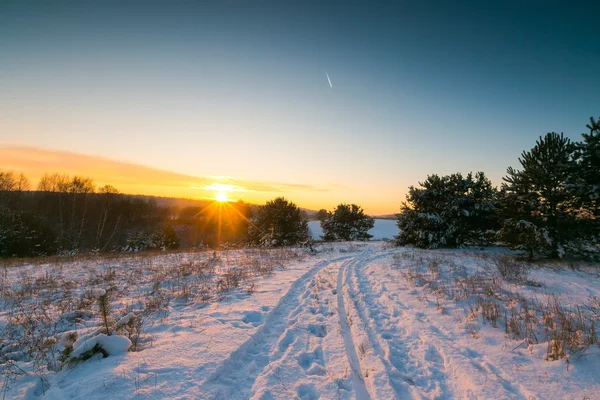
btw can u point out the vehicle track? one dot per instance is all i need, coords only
(424, 352)
(358, 382)
(383, 379)
(392, 341)
(390, 350)
(235, 376)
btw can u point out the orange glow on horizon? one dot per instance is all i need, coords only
(131, 178)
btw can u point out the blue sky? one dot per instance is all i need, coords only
(228, 88)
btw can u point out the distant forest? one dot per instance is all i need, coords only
(70, 215)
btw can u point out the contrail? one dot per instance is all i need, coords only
(329, 80)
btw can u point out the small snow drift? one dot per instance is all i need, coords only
(112, 345)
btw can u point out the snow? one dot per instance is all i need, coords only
(315, 229)
(383, 229)
(346, 323)
(97, 292)
(112, 345)
(125, 320)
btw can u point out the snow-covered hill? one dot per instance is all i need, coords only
(354, 321)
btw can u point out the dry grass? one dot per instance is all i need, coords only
(487, 295)
(47, 304)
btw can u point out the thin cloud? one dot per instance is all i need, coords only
(129, 177)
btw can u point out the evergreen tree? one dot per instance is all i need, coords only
(347, 222)
(278, 223)
(538, 202)
(166, 238)
(23, 234)
(322, 214)
(448, 211)
(589, 170)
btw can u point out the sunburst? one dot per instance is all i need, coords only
(221, 197)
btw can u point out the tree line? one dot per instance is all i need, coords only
(550, 207)
(70, 215)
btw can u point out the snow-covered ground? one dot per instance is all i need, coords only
(354, 321)
(383, 229)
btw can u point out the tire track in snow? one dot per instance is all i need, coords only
(313, 352)
(358, 383)
(309, 357)
(435, 345)
(466, 365)
(386, 381)
(421, 375)
(235, 376)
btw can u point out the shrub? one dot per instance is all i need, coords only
(279, 223)
(512, 270)
(448, 211)
(526, 236)
(24, 235)
(346, 222)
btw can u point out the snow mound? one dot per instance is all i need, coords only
(112, 345)
(125, 320)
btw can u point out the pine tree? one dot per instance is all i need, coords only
(278, 223)
(347, 222)
(448, 211)
(538, 201)
(589, 168)
(24, 234)
(105, 310)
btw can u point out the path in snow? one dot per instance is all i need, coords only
(345, 324)
(309, 346)
(416, 349)
(347, 329)
(350, 346)
(262, 356)
(340, 333)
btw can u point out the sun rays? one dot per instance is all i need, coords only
(223, 216)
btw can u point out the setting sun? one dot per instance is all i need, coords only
(221, 197)
(221, 191)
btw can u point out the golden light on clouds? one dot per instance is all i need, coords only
(138, 179)
(221, 187)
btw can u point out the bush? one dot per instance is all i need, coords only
(166, 238)
(278, 223)
(24, 235)
(346, 222)
(448, 211)
(512, 270)
(526, 236)
(161, 239)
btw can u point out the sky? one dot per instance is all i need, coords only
(171, 98)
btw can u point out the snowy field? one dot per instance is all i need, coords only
(383, 229)
(354, 321)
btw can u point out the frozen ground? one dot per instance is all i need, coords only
(354, 321)
(383, 229)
